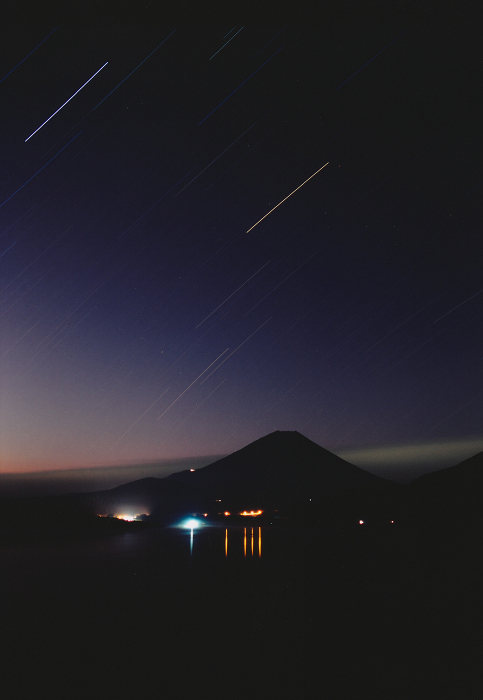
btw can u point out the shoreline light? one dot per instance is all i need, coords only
(191, 523)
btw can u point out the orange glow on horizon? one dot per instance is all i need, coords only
(126, 518)
(251, 512)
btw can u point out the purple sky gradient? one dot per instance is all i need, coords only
(140, 322)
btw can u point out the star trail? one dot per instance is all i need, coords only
(66, 102)
(285, 198)
(239, 197)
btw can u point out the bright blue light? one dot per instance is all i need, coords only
(191, 523)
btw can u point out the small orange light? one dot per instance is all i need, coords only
(226, 512)
(192, 470)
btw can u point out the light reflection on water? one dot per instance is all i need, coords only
(170, 543)
(230, 542)
(252, 539)
(213, 542)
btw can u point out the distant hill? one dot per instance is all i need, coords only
(450, 496)
(147, 496)
(465, 475)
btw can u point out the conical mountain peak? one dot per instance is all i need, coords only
(281, 467)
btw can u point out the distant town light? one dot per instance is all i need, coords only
(192, 470)
(127, 518)
(361, 522)
(252, 512)
(226, 513)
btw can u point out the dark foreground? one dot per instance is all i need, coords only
(349, 613)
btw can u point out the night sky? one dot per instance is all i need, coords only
(146, 316)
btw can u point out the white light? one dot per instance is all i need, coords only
(191, 523)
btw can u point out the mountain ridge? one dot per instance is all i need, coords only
(274, 462)
(283, 471)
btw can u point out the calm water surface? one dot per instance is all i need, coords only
(176, 544)
(255, 611)
(140, 600)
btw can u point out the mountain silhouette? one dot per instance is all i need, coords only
(449, 497)
(465, 476)
(147, 496)
(281, 470)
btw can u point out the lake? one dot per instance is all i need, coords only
(157, 601)
(237, 611)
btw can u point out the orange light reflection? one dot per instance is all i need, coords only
(251, 512)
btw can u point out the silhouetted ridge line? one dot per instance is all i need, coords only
(282, 469)
(448, 498)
